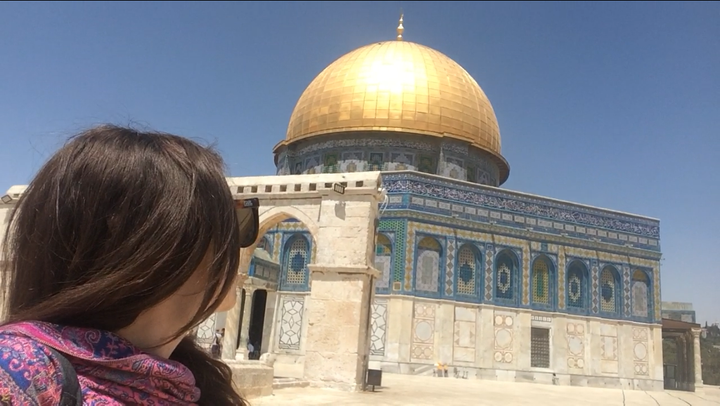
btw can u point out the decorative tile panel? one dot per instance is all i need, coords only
(575, 336)
(450, 266)
(526, 274)
(469, 270)
(640, 351)
(656, 294)
(291, 319)
(608, 349)
(398, 228)
(378, 327)
(383, 260)
(364, 143)
(504, 345)
(423, 337)
(626, 290)
(277, 243)
(561, 278)
(428, 265)
(639, 294)
(595, 286)
(464, 333)
(489, 274)
(206, 332)
(581, 221)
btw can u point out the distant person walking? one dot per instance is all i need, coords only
(217, 344)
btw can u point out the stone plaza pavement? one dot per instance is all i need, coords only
(422, 390)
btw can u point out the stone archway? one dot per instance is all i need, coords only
(343, 230)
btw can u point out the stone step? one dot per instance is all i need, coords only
(283, 383)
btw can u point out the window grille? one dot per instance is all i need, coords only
(540, 347)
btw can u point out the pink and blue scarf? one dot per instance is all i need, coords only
(111, 371)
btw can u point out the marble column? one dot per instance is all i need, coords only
(697, 361)
(232, 321)
(242, 352)
(683, 364)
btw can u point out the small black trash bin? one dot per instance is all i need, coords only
(374, 378)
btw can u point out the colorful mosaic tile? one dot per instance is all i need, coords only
(398, 227)
(526, 274)
(295, 263)
(428, 265)
(541, 282)
(364, 142)
(626, 290)
(656, 291)
(561, 278)
(467, 270)
(277, 237)
(450, 267)
(609, 296)
(595, 287)
(409, 257)
(489, 257)
(415, 183)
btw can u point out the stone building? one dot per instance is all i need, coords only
(678, 311)
(496, 283)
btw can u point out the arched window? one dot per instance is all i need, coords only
(264, 244)
(609, 290)
(542, 282)
(640, 288)
(427, 269)
(468, 263)
(296, 260)
(577, 285)
(383, 260)
(505, 275)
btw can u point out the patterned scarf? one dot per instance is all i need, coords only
(110, 369)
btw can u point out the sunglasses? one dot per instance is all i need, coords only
(249, 221)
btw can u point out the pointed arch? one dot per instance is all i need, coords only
(383, 260)
(428, 265)
(295, 259)
(542, 282)
(506, 275)
(577, 285)
(469, 263)
(610, 298)
(641, 295)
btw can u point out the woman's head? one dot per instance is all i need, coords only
(116, 222)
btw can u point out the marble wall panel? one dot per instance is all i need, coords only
(575, 336)
(640, 351)
(464, 337)
(378, 327)
(504, 337)
(423, 332)
(291, 319)
(609, 349)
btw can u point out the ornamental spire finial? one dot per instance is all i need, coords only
(400, 29)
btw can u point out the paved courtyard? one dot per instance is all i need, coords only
(421, 390)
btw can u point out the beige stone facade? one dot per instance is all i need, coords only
(495, 343)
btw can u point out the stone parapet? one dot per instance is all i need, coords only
(252, 378)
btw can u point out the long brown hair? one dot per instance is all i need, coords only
(114, 223)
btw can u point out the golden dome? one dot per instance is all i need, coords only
(397, 86)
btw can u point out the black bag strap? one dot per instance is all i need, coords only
(71, 390)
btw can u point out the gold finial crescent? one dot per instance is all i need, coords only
(400, 29)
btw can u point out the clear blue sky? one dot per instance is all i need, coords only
(614, 105)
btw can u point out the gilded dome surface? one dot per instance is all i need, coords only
(396, 86)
